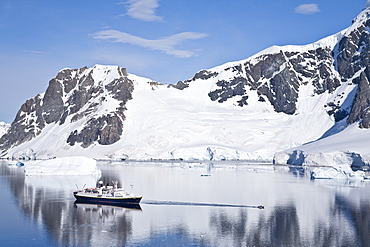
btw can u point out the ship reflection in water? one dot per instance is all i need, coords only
(183, 208)
(103, 225)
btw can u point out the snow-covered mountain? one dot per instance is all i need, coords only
(3, 128)
(278, 99)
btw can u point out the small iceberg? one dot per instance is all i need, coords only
(78, 165)
(337, 172)
(18, 164)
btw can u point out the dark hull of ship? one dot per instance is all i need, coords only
(128, 206)
(105, 200)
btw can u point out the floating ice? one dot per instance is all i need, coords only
(337, 172)
(63, 166)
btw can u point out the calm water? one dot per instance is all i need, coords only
(182, 208)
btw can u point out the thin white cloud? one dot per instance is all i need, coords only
(143, 10)
(167, 44)
(307, 9)
(34, 52)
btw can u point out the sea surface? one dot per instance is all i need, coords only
(187, 204)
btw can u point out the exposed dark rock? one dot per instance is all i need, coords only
(361, 104)
(228, 89)
(236, 68)
(69, 78)
(203, 75)
(279, 76)
(180, 85)
(106, 130)
(27, 124)
(282, 92)
(243, 101)
(353, 51)
(268, 66)
(121, 89)
(261, 99)
(79, 91)
(53, 104)
(333, 108)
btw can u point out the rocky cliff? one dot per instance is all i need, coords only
(76, 94)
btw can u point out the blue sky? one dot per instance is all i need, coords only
(165, 40)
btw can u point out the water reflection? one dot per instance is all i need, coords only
(48, 201)
(181, 207)
(98, 225)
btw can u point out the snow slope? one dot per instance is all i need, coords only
(166, 123)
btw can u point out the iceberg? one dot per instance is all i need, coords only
(336, 172)
(78, 165)
(16, 164)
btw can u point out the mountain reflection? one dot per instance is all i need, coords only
(224, 225)
(280, 229)
(338, 216)
(98, 225)
(348, 226)
(283, 226)
(42, 198)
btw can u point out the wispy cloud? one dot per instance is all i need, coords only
(34, 52)
(166, 44)
(143, 10)
(307, 9)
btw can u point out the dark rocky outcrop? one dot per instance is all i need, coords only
(74, 93)
(278, 77)
(361, 105)
(27, 124)
(203, 75)
(353, 51)
(228, 89)
(105, 130)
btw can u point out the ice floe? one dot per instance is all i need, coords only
(63, 166)
(337, 172)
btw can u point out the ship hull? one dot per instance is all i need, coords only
(106, 200)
